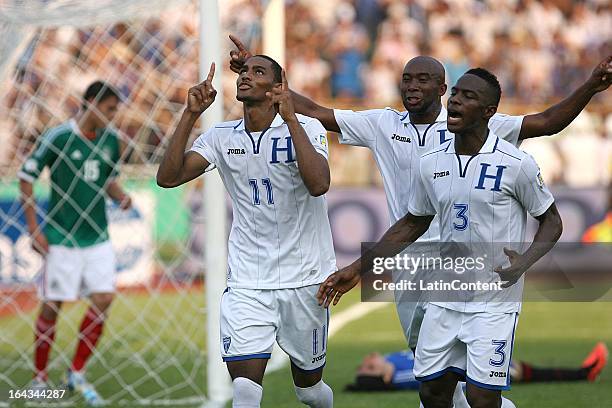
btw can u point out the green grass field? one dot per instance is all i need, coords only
(548, 334)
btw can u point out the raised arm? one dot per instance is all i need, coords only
(308, 107)
(302, 104)
(177, 166)
(401, 234)
(312, 165)
(559, 116)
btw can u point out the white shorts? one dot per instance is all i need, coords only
(475, 345)
(252, 319)
(70, 273)
(410, 308)
(411, 317)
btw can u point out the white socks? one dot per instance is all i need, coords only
(317, 396)
(247, 393)
(506, 403)
(459, 399)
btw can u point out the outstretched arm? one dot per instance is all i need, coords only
(401, 234)
(302, 104)
(559, 116)
(178, 167)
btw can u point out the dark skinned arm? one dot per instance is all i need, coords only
(401, 234)
(559, 116)
(549, 231)
(313, 167)
(178, 167)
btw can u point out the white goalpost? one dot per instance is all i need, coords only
(156, 350)
(219, 388)
(172, 248)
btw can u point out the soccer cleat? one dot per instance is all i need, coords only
(75, 381)
(596, 360)
(39, 387)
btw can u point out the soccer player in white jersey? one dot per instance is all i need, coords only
(486, 189)
(273, 163)
(398, 139)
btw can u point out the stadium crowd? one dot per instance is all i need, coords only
(348, 51)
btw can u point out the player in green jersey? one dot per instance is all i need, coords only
(82, 155)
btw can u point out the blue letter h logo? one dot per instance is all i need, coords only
(276, 149)
(483, 175)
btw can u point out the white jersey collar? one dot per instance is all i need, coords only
(489, 145)
(278, 121)
(441, 116)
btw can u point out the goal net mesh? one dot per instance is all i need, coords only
(152, 349)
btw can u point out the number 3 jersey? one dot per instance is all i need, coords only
(482, 202)
(80, 169)
(280, 236)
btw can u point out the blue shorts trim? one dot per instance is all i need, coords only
(440, 373)
(308, 371)
(487, 386)
(247, 357)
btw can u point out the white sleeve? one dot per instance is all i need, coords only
(358, 128)
(205, 146)
(317, 136)
(530, 189)
(507, 127)
(419, 203)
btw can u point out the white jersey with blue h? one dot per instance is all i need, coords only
(280, 235)
(482, 199)
(398, 144)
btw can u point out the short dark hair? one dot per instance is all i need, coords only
(370, 383)
(276, 68)
(491, 80)
(99, 91)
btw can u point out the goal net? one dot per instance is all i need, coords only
(152, 351)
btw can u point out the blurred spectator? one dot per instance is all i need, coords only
(586, 151)
(381, 82)
(348, 49)
(310, 74)
(453, 52)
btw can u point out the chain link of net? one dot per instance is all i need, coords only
(151, 352)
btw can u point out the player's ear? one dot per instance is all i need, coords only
(442, 89)
(490, 111)
(86, 104)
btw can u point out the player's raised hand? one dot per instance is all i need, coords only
(513, 273)
(282, 98)
(126, 202)
(238, 57)
(336, 285)
(601, 78)
(40, 243)
(201, 96)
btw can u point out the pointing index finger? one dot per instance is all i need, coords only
(211, 73)
(285, 86)
(237, 43)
